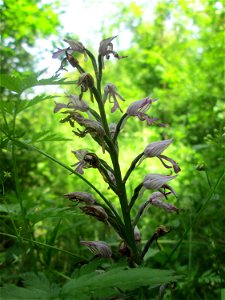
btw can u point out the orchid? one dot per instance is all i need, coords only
(75, 104)
(74, 46)
(98, 247)
(157, 181)
(106, 48)
(139, 108)
(93, 120)
(110, 91)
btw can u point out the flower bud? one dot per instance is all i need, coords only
(85, 81)
(80, 197)
(99, 248)
(166, 206)
(96, 211)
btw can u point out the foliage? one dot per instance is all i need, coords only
(173, 60)
(178, 51)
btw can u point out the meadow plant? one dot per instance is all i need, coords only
(84, 119)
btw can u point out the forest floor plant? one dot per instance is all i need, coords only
(124, 215)
(85, 120)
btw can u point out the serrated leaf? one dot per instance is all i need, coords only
(47, 136)
(37, 286)
(13, 292)
(117, 278)
(12, 83)
(22, 81)
(24, 104)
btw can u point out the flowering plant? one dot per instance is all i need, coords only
(78, 114)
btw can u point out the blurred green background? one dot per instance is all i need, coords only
(175, 53)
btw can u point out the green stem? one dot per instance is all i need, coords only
(132, 166)
(135, 195)
(94, 64)
(118, 127)
(79, 259)
(99, 74)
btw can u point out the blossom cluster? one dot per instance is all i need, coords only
(85, 120)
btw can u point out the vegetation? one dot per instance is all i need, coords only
(170, 58)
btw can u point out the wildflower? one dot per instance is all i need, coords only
(99, 248)
(166, 206)
(92, 127)
(85, 81)
(145, 205)
(96, 211)
(139, 108)
(156, 148)
(106, 48)
(75, 104)
(157, 181)
(110, 90)
(80, 197)
(74, 46)
(86, 160)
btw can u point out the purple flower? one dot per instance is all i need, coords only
(106, 48)
(139, 108)
(110, 90)
(86, 160)
(75, 104)
(156, 148)
(74, 46)
(98, 247)
(156, 201)
(157, 181)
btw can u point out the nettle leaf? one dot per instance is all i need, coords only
(46, 136)
(13, 292)
(19, 82)
(24, 104)
(36, 287)
(16, 106)
(109, 283)
(36, 215)
(12, 83)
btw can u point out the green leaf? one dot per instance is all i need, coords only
(108, 283)
(37, 287)
(22, 81)
(12, 83)
(46, 136)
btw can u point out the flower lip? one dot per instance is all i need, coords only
(110, 91)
